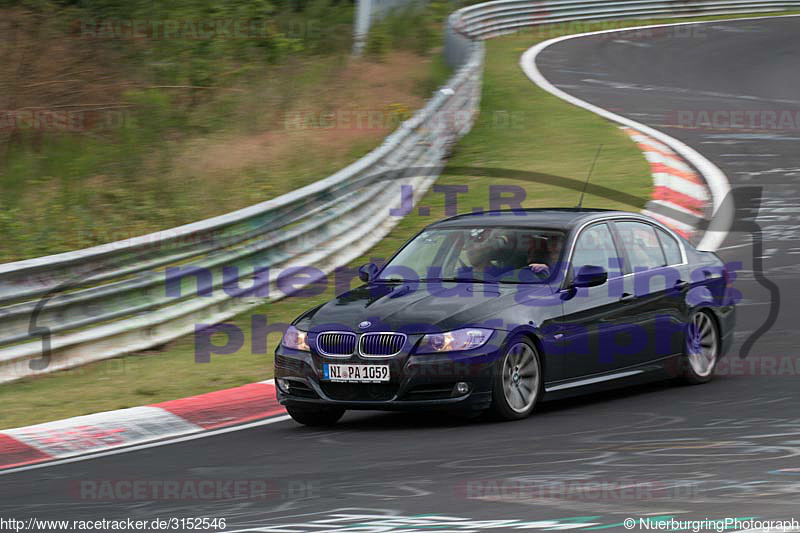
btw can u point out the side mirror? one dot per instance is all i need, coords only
(367, 272)
(590, 276)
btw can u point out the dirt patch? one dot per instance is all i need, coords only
(361, 103)
(47, 66)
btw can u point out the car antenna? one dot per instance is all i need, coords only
(586, 183)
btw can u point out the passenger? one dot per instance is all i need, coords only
(543, 254)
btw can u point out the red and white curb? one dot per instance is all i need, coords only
(98, 432)
(680, 198)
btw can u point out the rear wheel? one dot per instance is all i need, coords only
(518, 382)
(316, 416)
(702, 348)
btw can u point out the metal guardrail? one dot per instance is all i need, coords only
(65, 310)
(112, 299)
(492, 19)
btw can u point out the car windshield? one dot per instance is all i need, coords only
(497, 254)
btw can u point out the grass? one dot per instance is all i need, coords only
(140, 183)
(520, 127)
(174, 130)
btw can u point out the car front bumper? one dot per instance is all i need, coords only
(416, 381)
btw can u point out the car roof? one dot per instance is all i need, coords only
(564, 218)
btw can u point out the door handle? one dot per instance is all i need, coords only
(627, 297)
(681, 285)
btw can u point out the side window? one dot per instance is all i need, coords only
(595, 246)
(642, 245)
(671, 249)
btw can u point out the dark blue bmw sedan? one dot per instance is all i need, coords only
(501, 310)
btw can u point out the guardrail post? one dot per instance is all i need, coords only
(361, 25)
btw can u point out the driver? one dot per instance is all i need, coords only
(489, 249)
(479, 251)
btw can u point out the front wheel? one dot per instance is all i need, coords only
(702, 348)
(315, 416)
(518, 382)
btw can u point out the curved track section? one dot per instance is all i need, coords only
(722, 211)
(723, 450)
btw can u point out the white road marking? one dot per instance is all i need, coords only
(748, 155)
(735, 246)
(632, 43)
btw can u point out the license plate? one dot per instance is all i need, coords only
(355, 373)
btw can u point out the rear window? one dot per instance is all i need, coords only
(642, 244)
(672, 250)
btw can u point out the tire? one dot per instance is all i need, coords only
(316, 416)
(518, 381)
(702, 349)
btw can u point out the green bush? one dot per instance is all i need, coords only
(415, 27)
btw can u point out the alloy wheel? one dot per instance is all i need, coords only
(702, 344)
(520, 377)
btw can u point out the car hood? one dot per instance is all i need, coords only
(416, 308)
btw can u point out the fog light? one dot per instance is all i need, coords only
(283, 384)
(462, 387)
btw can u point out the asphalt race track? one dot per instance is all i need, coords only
(727, 449)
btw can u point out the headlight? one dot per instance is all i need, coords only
(294, 339)
(454, 341)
